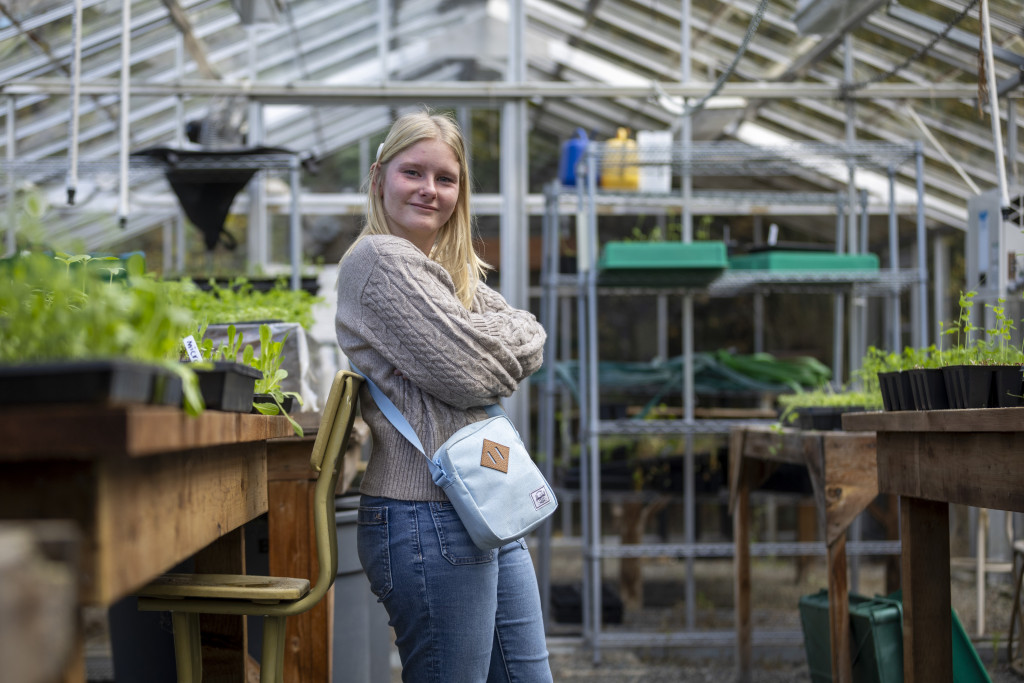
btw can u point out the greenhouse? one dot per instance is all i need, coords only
(753, 280)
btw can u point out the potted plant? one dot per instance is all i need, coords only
(983, 371)
(226, 384)
(272, 396)
(254, 381)
(1005, 360)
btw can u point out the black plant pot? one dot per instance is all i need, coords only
(228, 386)
(974, 385)
(929, 389)
(954, 386)
(904, 392)
(1006, 386)
(887, 385)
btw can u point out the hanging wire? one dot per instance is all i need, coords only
(673, 104)
(847, 88)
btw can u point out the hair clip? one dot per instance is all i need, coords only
(380, 148)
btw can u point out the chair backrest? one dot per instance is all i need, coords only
(330, 445)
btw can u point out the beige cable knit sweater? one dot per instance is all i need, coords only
(397, 310)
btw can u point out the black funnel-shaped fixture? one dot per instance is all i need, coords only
(206, 185)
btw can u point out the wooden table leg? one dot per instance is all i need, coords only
(927, 620)
(839, 611)
(741, 539)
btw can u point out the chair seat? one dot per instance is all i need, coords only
(266, 589)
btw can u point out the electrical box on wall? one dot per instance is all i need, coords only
(988, 223)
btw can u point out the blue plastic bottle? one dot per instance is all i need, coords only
(572, 150)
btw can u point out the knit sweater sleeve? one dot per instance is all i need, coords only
(492, 313)
(408, 312)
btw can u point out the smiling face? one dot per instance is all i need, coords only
(419, 188)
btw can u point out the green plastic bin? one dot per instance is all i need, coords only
(876, 630)
(803, 261)
(686, 264)
(876, 633)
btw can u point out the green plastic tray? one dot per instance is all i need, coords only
(688, 264)
(803, 260)
(876, 627)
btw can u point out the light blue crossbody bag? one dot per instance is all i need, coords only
(486, 472)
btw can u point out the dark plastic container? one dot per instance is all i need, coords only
(228, 386)
(876, 630)
(111, 381)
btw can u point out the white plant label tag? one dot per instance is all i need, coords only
(192, 349)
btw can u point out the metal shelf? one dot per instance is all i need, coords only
(729, 158)
(696, 159)
(793, 549)
(709, 639)
(671, 427)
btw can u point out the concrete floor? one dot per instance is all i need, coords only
(776, 592)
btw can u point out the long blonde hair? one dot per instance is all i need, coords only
(453, 248)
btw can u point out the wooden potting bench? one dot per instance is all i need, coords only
(931, 459)
(148, 487)
(841, 467)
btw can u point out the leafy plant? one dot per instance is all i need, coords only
(826, 397)
(239, 301)
(268, 362)
(999, 349)
(51, 311)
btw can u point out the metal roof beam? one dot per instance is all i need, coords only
(959, 36)
(483, 92)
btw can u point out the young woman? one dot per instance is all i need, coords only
(416, 317)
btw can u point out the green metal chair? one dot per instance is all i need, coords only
(187, 596)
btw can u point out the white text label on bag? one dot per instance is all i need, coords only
(540, 497)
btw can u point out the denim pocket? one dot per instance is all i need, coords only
(372, 542)
(456, 545)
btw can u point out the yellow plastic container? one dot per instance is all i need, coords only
(619, 170)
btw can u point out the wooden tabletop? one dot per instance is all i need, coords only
(975, 420)
(969, 457)
(100, 431)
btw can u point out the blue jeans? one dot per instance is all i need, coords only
(460, 614)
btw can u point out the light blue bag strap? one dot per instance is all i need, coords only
(395, 417)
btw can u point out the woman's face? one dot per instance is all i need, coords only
(419, 189)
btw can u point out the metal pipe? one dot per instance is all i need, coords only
(76, 79)
(997, 137)
(295, 225)
(12, 211)
(383, 37)
(179, 141)
(921, 335)
(895, 341)
(126, 67)
(592, 559)
(546, 406)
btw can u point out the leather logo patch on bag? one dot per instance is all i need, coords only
(495, 456)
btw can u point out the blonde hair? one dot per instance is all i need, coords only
(453, 248)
